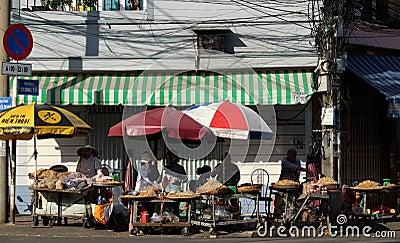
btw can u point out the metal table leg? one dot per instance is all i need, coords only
(301, 208)
(59, 211)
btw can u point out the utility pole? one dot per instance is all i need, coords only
(331, 65)
(4, 23)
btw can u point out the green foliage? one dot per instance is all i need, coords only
(90, 3)
(54, 4)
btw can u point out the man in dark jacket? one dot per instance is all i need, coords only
(291, 166)
(290, 169)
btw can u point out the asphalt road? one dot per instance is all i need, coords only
(75, 233)
(158, 239)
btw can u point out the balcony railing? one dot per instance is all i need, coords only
(81, 5)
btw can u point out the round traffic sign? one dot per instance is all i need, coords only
(17, 41)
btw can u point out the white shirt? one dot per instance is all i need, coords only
(88, 166)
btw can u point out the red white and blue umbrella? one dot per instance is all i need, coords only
(229, 120)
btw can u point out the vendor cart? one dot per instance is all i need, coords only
(220, 214)
(296, 205)
(145, 224)
(58, 204)
(53, 205)
(363, 208)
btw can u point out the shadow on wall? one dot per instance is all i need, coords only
(23, 204)
(67, 148)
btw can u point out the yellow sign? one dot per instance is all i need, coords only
(49, 116)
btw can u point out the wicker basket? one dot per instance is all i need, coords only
(286, 187)
(250, 188)
(172, 197)
(138, 197)
(366, 189)
(215, 191)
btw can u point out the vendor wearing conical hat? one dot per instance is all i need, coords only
(88, 162)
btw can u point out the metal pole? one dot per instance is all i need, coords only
(12, 183)
(13, 162)
(4, 23)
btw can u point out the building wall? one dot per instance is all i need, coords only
(261, 34)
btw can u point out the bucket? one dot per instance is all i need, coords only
(386, 182)
(145, 217)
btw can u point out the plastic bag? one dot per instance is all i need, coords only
(155, 218)
(102, 212)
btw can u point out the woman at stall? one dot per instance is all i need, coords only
(89, 162)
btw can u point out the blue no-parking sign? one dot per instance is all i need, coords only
(17, 41)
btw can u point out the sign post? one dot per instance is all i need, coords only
(18, 44)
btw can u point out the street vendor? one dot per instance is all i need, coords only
(173, 174)
(227, 172)
(148, 172)
(172, 177)
(89, 162)
(291, 167)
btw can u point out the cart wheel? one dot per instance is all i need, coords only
(134, 231)
(59, 220)
(185, 231)
(86, 223)
(35, 220)
(46, 220)
(211, 230)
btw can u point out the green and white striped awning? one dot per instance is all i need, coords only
(185, 89)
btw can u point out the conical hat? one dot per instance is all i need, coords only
(94, 151)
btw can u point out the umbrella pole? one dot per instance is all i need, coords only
(35, 154)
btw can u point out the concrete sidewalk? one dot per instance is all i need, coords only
(24, 227)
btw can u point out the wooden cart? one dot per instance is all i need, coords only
(55, 204)
(135, 225)
(216, 221)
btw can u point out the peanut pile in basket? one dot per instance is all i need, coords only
(187, 193)
(286, 182)
(368, 184)
(149, 192)
(209, 185)
(326, 181)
